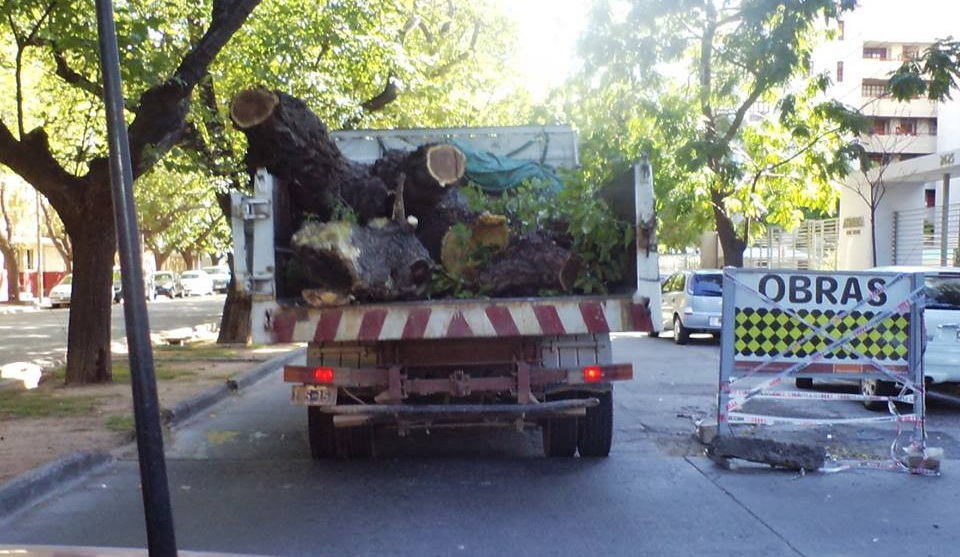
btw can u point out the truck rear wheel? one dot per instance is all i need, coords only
(355, 442)
(596, 428)
(321, 433)
(560, 437)
(326, 441)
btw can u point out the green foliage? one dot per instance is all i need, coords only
(596, 236)
(935, 74)
(727, 142)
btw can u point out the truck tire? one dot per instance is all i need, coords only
(596, 428)
(321, 433)
(560, 437)
(876, 387)
(355, 442)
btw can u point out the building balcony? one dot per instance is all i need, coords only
(892, 143)
(890, 108)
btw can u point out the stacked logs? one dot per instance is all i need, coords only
(379, 232)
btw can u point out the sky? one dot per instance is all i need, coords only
(548, 32)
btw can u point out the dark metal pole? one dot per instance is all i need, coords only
(146, 408)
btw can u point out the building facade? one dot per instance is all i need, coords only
(898, 203)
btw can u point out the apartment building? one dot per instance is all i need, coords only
(869, 45)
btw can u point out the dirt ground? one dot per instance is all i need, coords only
(100, 417)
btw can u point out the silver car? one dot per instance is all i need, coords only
(692, 303)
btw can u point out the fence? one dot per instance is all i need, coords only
(919, 238)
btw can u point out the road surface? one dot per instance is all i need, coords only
(42, 334)
(242, 481)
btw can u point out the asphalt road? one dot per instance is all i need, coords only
(242, 481)
(42, 334)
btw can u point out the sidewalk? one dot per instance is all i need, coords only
(10, 308)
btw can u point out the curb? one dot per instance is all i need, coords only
(30, 486)
(191, 407)
(36, 483)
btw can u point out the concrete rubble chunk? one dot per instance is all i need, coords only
(791, 456)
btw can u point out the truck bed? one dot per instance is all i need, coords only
(445, 319)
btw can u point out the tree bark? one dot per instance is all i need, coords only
(235, 322)
(383, 261)
(429, 173)
(88, 344)
(286, 137)
(732, 245)
(529, 265)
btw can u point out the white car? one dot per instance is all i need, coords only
(196, 283)
(941, 321)
(220, 275)
(60, 294)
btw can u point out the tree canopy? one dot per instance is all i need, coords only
(404, 62)
(719, 93)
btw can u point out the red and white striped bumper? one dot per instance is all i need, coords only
(452, 319)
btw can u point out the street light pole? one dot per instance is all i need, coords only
(146, 407)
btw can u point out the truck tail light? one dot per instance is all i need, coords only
(598, 373)
(323, 375)
(592, 374)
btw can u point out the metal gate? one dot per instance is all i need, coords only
(925, 237)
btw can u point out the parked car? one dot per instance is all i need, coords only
(220, 275)
(60, 293)
(196, 283)
(692, 303)
(941, 321)
(166, 283)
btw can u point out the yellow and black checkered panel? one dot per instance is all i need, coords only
(768, 332)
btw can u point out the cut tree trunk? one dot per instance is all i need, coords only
(381, 261)
(429, 173)
(529, 265)
(433, 225)
(286, 137)
(88, 342)
(235, 321)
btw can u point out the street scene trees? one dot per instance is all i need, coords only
(717, 94)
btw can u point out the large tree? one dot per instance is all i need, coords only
(755, 143)
(163, 65)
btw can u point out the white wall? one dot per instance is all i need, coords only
(855, 250)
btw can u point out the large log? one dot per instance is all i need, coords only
(380, 261)
(529, 265)
(286, 137)
(431, 171)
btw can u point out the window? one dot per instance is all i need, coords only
(841, 26)
(875, 52)
(873, 88)
(907, 126)
(910, 53)
(932, 126)
(880, 126)
(839, 72)
(931, 198)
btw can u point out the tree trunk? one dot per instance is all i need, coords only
(189, 259)
(428, 174)
(88, 343)
(383, 261)
(12, 265)
(529, 265)
(235, 322)
(733, 246)
(286, 137)
(160, 258)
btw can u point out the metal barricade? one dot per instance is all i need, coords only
(779, 325)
